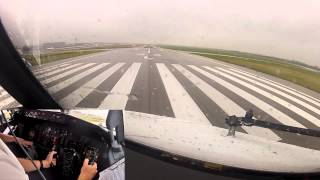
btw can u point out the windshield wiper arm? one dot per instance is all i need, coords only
(247, 120)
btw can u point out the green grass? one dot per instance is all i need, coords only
(239, 54)
(55, 56)
(284, 69)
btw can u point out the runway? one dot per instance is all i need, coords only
(181, 85)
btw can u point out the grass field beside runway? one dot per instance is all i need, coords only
(296, 72)
(55, 56)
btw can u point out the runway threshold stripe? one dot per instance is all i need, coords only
(46, 69)
(57, 71)
(54, 78)
(281, 86)
(40, 68)
(226, 104)
(274, 98)
(273, 112)
(75, 78)
(78, 95)
(118, 97)
(181, 102)
(298, 101)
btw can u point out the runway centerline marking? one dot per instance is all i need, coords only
(118, 97)
(182, 104)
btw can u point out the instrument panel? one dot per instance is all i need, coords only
(72, 139)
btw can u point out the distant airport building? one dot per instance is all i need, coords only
(53, 45)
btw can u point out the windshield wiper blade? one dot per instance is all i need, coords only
(247, 120)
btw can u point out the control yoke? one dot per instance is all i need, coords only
(114, 124)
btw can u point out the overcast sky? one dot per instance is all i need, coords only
(287, 28)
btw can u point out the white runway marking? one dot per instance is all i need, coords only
(147, 57)
(226, 104)
(157, 55)
(267, 108)
(118, 97)
(281, 86)
(316, 110)
(181, 102)
(46, 69)
(75, 78)
(280, 101)
(76, 96)
(54, 78)
(57, 71)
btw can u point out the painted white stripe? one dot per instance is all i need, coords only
(181, 102)
(75, 78)
(6, 102)
(69, 61)
(280, 86)
(274, 98)
(46, 69)
(57, 71)
(118, 97)
(76, 96)
(303, 95)
(273, 112)
(226, 104)
(54, 78)
(306, 105)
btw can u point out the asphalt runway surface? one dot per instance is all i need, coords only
(177, 84)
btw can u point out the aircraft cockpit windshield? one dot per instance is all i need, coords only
(232, 84)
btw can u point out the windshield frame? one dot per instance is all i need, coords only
(17, 79)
